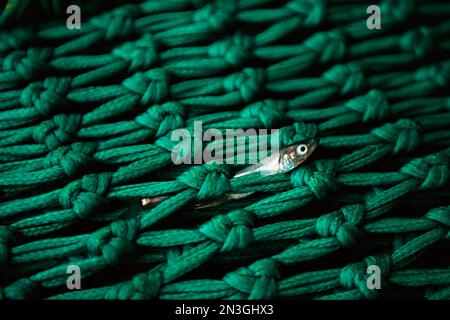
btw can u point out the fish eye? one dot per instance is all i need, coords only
(302, 149)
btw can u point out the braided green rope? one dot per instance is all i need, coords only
(86, 124)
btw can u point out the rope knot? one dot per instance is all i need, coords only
(142, 54)
(22, 289)
(15, 38)
(86, 195)
(163, 118)
(141, 286)
(152, 86)
(234, 50)
(58, 131)
(218, 17)
(29, 64)
(329, 46)
(45, 96)
(399, 10)
(72, 159)
(270, 112)
(299, 131)
(115, 241)
(355, 275)
(418, 41)
(248, 82)
(311, 11)
(6, 239)
(432, 170)
(438, 74)
(211, 180)
(232, 230)
(258, 281)
(403, 134)
(118, 23)
(372, 106)
(320, 177)
(349, 78)
(440, 215)
(344, 224)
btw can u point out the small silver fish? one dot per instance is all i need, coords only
(145, 202)
(283, 161)
(277, 163)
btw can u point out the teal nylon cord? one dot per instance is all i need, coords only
(86, 118)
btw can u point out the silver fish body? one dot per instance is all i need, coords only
(277, 163)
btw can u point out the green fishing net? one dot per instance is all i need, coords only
(87, 117)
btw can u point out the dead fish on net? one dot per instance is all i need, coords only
(280, 162)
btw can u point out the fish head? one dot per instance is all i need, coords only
(292, 156)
